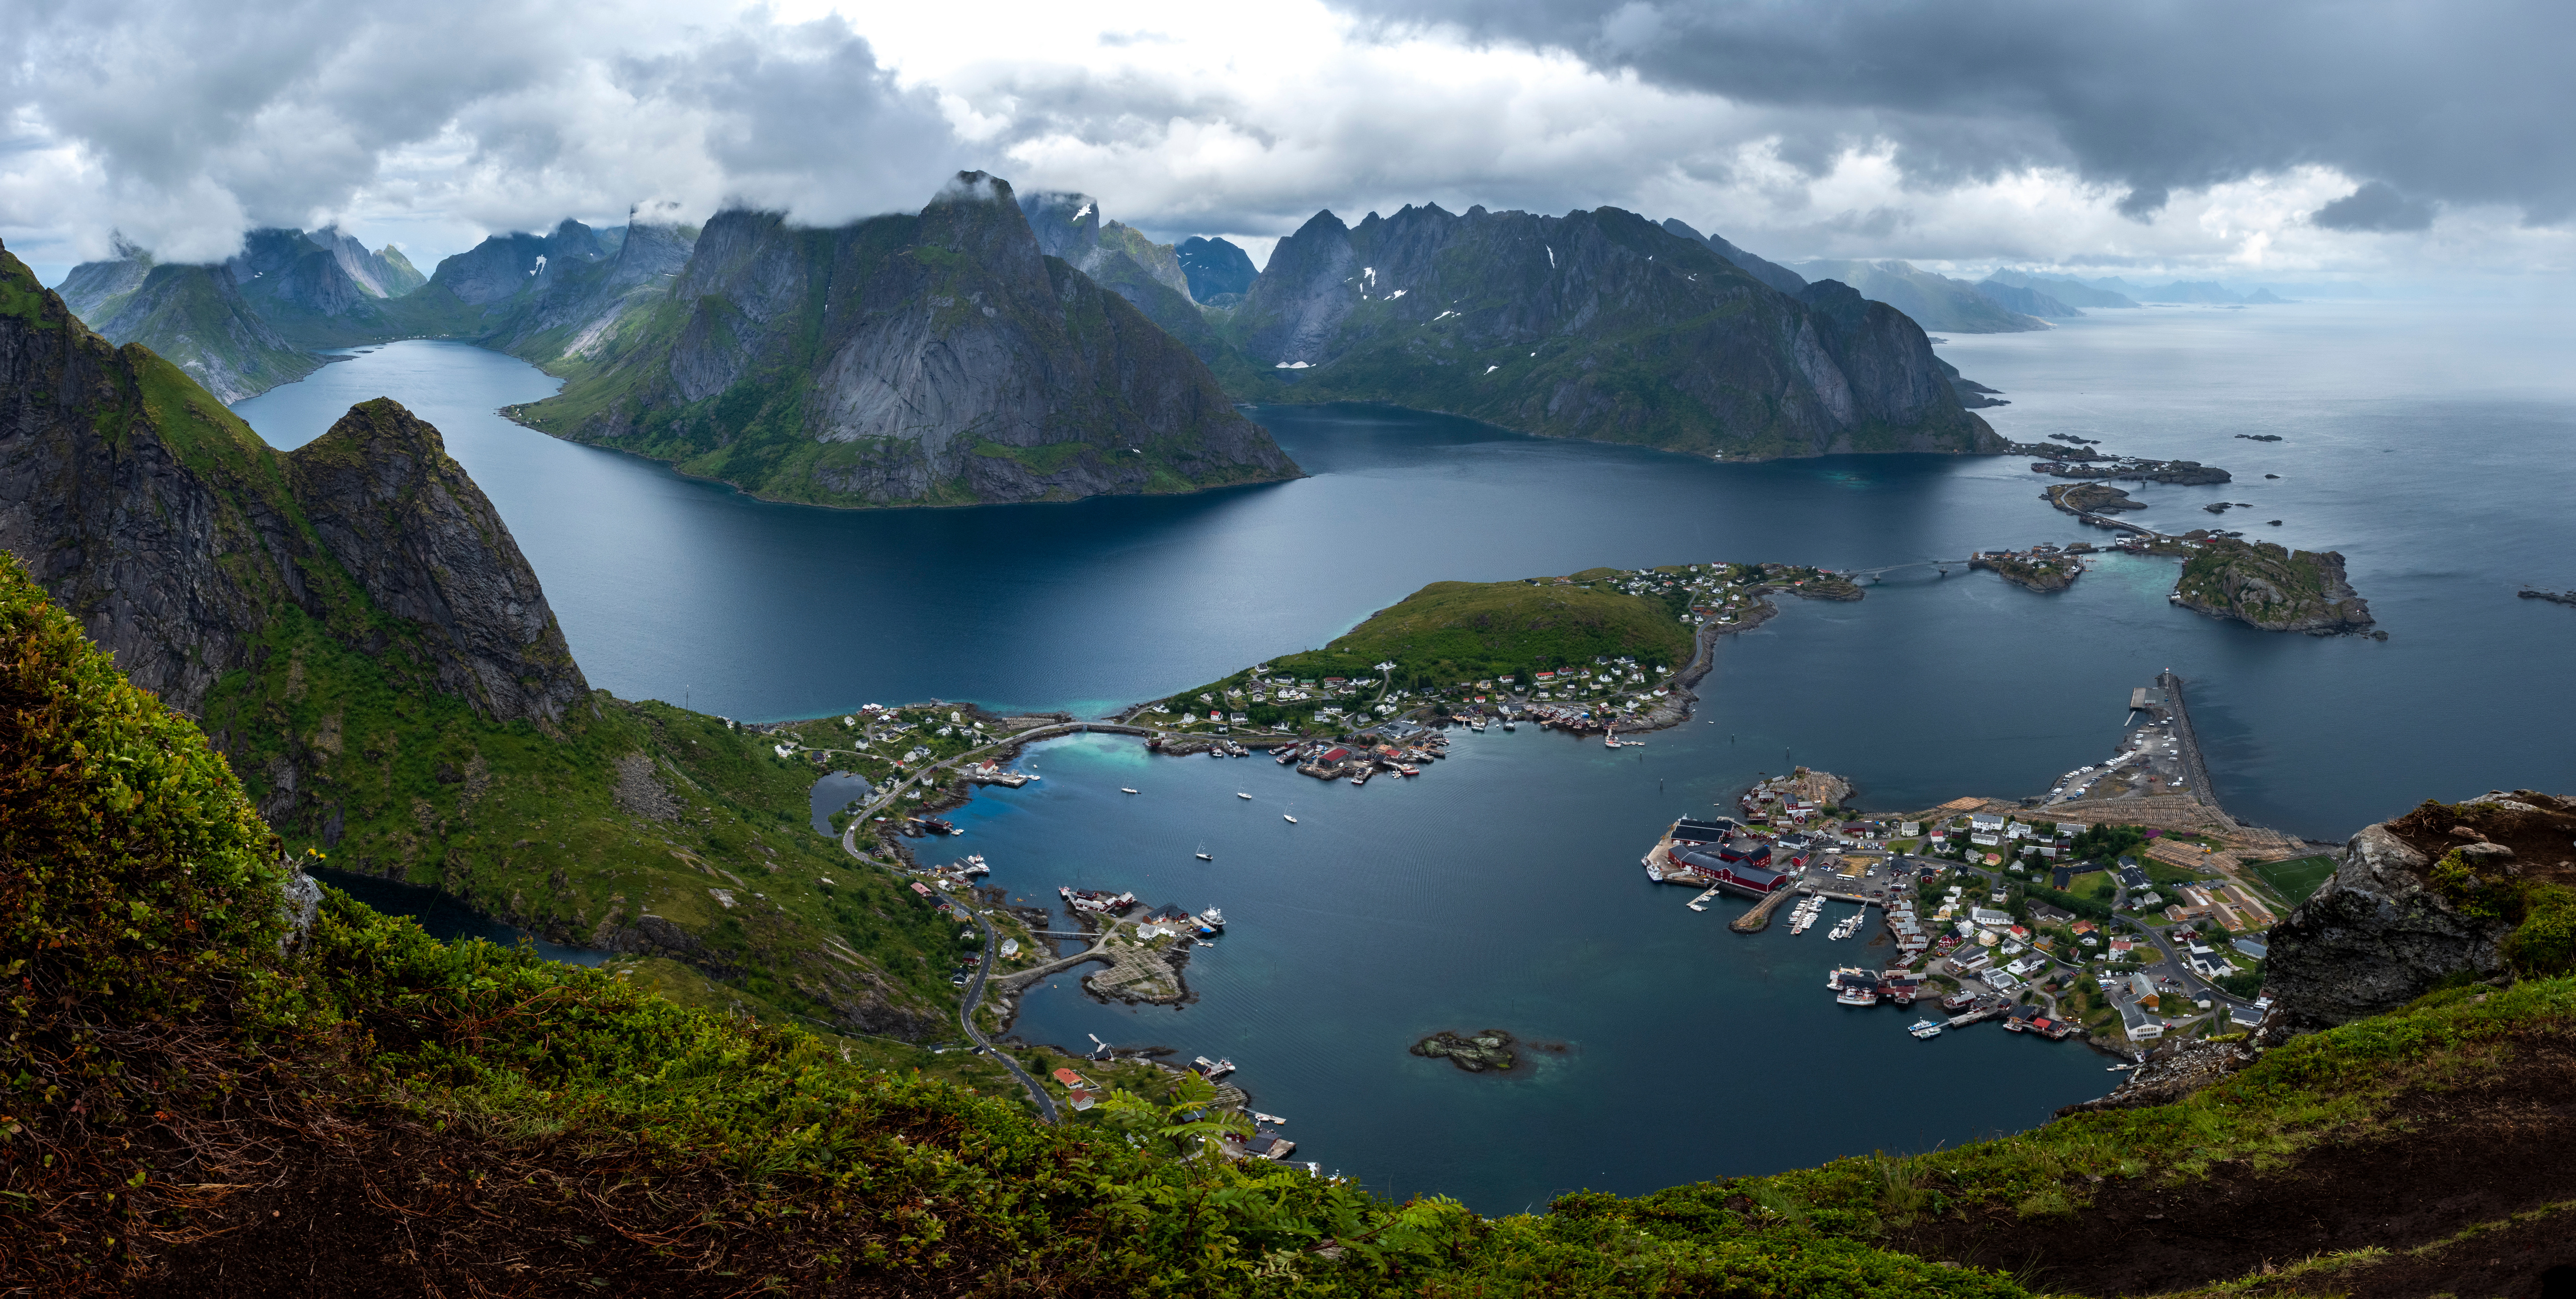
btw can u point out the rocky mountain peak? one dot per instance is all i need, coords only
(1066, 224)
(978, 216)
(426, 545)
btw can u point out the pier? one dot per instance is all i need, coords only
(1755, 920)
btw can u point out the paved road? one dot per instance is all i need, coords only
(966, 1019)
(975, 994)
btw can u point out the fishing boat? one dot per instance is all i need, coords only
(1124, 790)
(1854, 986)
(1272, 1119)
(1408, 770)
(1509, 724)
(1925, 1029)
(1213, 918)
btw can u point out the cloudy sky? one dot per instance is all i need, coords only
(2280, 141)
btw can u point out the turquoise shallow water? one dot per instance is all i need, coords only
(2428, 443)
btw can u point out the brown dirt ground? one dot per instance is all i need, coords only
(2543, 841)
(2477, 1155)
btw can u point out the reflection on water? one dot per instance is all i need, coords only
(446, 919)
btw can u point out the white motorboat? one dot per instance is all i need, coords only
(1124, 790)
(1240, 794)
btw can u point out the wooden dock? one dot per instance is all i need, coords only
(1757, 919)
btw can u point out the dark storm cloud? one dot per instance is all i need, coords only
(2451, 102)
(2375, 206)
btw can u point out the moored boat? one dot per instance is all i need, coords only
(1925, 1029)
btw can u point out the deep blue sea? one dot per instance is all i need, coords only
(2429, 443)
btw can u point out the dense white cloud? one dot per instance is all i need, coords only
(183, 123)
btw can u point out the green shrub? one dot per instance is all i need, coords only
(2545, 941)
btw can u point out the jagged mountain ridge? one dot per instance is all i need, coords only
(938, 358)
(1596, 324)
(177, 534)
(1121, 259)
(357, 631)
(1769, 272)
(196, 318)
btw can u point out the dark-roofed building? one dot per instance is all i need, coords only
(1711, 831)
(1743, 876)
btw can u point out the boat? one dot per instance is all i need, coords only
(1925, 1029)
(1272, 1119)
(1202, 855)
(1240, 794)
(1124, 790)
(1509, 724)
(1408, 770)
(1213, 918)
(1287, 818)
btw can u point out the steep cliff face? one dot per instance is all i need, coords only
(1595, 324)
(941, 358)
(2450, 890)
(1121, 259)
(195, 317)
(425, 545)
(2272, 587)
(1219, 273)
(179, 537)
(571, 309)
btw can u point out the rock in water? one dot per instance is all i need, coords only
(932, 359)
(2271, 587)
(1596, 325)
(1491, 1049)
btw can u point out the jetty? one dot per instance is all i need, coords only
(1759, 918)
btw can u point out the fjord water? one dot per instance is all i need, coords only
(2428, 443)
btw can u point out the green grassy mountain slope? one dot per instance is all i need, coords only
(932, 359)
(195, 317)
(355, 626)
(1596, 324)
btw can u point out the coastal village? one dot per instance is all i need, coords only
(2122, 908)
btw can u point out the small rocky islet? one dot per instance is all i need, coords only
(1475, 1053)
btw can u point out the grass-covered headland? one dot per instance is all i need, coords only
(196, 1094)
